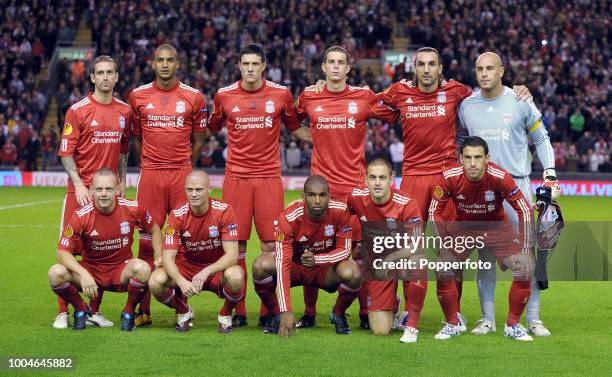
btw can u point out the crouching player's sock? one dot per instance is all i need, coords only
(517, 299)
(311, 295)
(414, 296)
(346, 296)
(448, 297)
(172, 298)
(70, 293)
(265, 288)
(136, 291)
(231, 300)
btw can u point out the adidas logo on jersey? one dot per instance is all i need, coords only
(303, 239)
(319, 109)
(409, 100)
(93, 233)
(460, 197)
(93, 123)
(149, 106)
(490, 109)
(186, 234)
(236, 109)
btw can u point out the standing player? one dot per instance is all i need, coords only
(96, 135)
(478, 189)
(102, 232)
(506, 124)
(313, 246)
(428, 107)
(252, 110)
(168, 116)
(338, 115)
(379, 202)
(200, 253)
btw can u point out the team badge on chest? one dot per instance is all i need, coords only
(352, 107)
(121, 122)
(270, 107)
(180, 107)
(213, 231)
(125, 227)
(442, 97)
(329, 230)
(489, 196)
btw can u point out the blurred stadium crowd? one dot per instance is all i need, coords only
(560, 50)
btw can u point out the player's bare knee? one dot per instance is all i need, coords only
(140, 269)
(380, 330)
(158, 280)
(234, 277)
(263, 266)
(58, 274)
(348, 272)
(267, 247)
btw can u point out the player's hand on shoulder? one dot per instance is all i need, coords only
(83, 195)
(307, 258)
(522, 93)
(157, 263)
(318, 87)
(287, 324)
(122, 189)
(294, 202)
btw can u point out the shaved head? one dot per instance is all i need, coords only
(489, 57)
(315, 180)
(166, 47)
(198, 176)
(104, 172)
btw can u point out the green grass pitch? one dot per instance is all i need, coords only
(578, 313)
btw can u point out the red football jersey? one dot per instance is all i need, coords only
(482, 200)
(329, 240)
(165, 118)
(399, 207)
(198, 237)
(253, 121)
(94, 135)
(428, 124)
(106, 238)
(338, 126)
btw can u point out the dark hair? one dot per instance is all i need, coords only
(101, 59)
(253, 49)
(428, 49)
(337, 49)
(380, 161)
(474, 141)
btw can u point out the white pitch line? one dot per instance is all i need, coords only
(21, 205)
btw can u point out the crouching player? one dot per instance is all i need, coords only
(105, 228)
(200, 254)
(478, 189)
(313, 243)
(379, 202)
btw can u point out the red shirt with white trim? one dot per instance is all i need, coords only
(198, 238)
(253, 120)
(94, 135)
(338, 126)
(481, 200)
(399, 207)
(106, 238)
(165, 118)
(328, 239)
(428, 124)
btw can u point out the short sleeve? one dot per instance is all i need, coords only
(70, 134)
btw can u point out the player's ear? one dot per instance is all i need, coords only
(461, 158)
(501, 72)
(488, 158)
(348, 68)
(210, 188)
(92, 78)
(440, 67)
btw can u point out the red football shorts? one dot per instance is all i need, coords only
(301, 275)
(261, 198)
(107, 276)
(421, 188)
(160, 191)
(382, 295)
(189, 270)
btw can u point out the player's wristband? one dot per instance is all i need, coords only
(550, 175)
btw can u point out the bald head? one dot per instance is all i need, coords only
(198, 177)
(489, 58)
(489, 73)
(104, 173)
(316, 196)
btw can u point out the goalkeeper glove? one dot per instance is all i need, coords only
(550, 180)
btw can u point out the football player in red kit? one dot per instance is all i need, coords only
(478, 189)
(312, 248)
